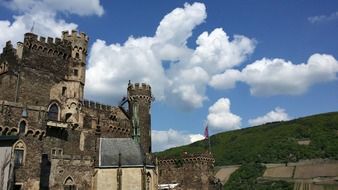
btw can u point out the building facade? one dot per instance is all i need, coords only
(42, 104)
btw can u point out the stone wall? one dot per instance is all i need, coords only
(46, 71)
(131, 178)
(8, 75)
(139, 99)
(191, 172)
(78, 168)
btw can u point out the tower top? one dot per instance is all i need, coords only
(74, 35)
(79, 41)
(139, 91)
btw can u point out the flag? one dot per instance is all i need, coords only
(206, 132)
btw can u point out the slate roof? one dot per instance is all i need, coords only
(8, 140)
(131, 153)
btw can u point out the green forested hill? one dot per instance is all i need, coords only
(272, 142)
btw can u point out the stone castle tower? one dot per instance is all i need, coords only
(139, 99)
(79, 45)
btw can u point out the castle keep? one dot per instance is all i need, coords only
(59, 139)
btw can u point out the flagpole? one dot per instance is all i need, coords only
(206, 135)
(209, 145)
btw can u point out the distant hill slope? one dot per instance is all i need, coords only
(272, 142)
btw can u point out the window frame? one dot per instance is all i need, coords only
(69, 184)
(56, 115)
(19, 146)
(20, 133)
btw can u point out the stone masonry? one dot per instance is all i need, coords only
(42, 102)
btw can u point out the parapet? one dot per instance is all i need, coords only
(138, 90)
(50, 46)
(79, 43)
(8, 49)
(138, 86)
(202, 158)
(74, 34)
(42, 39)
(95, 105)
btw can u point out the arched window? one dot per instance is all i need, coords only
(69, 184)
(53, 112)
(19, 153)
(22, 128)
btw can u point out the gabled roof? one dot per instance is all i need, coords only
(121, 152)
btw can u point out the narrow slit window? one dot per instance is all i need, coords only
(64, 89)
(22, 128)
(76, 72)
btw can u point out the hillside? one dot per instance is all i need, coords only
(272, 142)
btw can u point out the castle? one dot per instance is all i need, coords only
(52, 138)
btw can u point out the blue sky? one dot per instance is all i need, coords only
(232, 64)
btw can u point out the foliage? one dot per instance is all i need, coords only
(272, 142)
(246, 178)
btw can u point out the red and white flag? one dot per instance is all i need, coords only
(206, 132)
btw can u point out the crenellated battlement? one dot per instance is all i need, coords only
(138, 86)
(48, 40)
(139, 91)
(8, 53)
(203, 158)
(48, 46)
(8, 49)
(95, 105)
(79, 43)
(75, 35)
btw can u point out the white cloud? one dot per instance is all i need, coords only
(278, 114)
(163, 140)
(79, 7)
(43, 15)
(45, 24)
(183, 81)
(267, 77)
(323, 18)
(215, 52)
(176, 27)
(220, 117)
(226, 80)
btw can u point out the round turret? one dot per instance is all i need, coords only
(139, 99)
